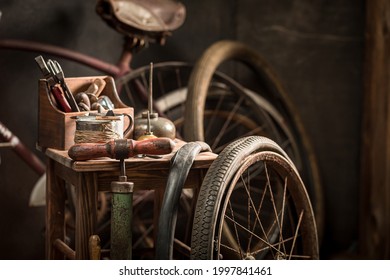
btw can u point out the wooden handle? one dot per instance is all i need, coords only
(100, 84)
(60, 99)
(121, 148)
(94, 247)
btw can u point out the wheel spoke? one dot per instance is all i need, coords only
(255, 131)
(235, 228)
(273, 205)
(234, 246)
(253, 234)
(286, 240)
(252, 205)
(178, 77)
(296, 233)
(282, 212)
(128, 93)
(226, 123)
(249, 207)
(214, 114)
(144, 237)
(257, 220)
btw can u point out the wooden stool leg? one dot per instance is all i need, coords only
(86, 209)
(55, 211)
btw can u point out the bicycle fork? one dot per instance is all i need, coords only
(8, 139)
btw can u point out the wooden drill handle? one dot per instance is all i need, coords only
(121, 148)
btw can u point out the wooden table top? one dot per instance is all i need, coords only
(203, 160)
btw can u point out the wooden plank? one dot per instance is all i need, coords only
(65, 249)
(203, 160)
(86, 213)
(55, 211)
(375, 164)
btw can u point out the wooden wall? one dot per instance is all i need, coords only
(375, 164)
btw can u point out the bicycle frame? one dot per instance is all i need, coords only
(115, 70)
(29, 157)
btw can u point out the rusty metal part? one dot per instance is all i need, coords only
(96, 106)
(161, 127)
(148, 133)
(97, 64)
(58, 74)
(47, 74)
(92, 98)
(83, 106)
(57, 95)
(23, 152)
(149, 121)
(121, 217)
(82, 97)
(121, 148)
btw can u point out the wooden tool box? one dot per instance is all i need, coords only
(55, 128)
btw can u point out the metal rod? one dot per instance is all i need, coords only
(123, 167)
(149, 129)
(90, 61)
(23, 152)
(150, 98)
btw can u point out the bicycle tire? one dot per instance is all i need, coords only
(180, 166)
(215, 194)
(273, 91)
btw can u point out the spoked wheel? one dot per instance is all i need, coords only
(231, 110)
(169, 79)
(265, 103)
(253, 205)
(143, 224)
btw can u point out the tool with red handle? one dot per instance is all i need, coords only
(121, 148)
(55, 89)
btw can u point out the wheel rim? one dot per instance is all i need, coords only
(276, 222)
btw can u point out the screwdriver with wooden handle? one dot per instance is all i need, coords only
(121, 148)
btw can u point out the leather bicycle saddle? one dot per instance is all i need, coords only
(150, 19)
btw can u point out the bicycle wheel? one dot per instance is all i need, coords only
(246, 112)
(169, 78)
(293, 138)
(170, 94)
(253, 205)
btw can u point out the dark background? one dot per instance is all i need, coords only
(315, 47)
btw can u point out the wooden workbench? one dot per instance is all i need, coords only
(92, 176)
